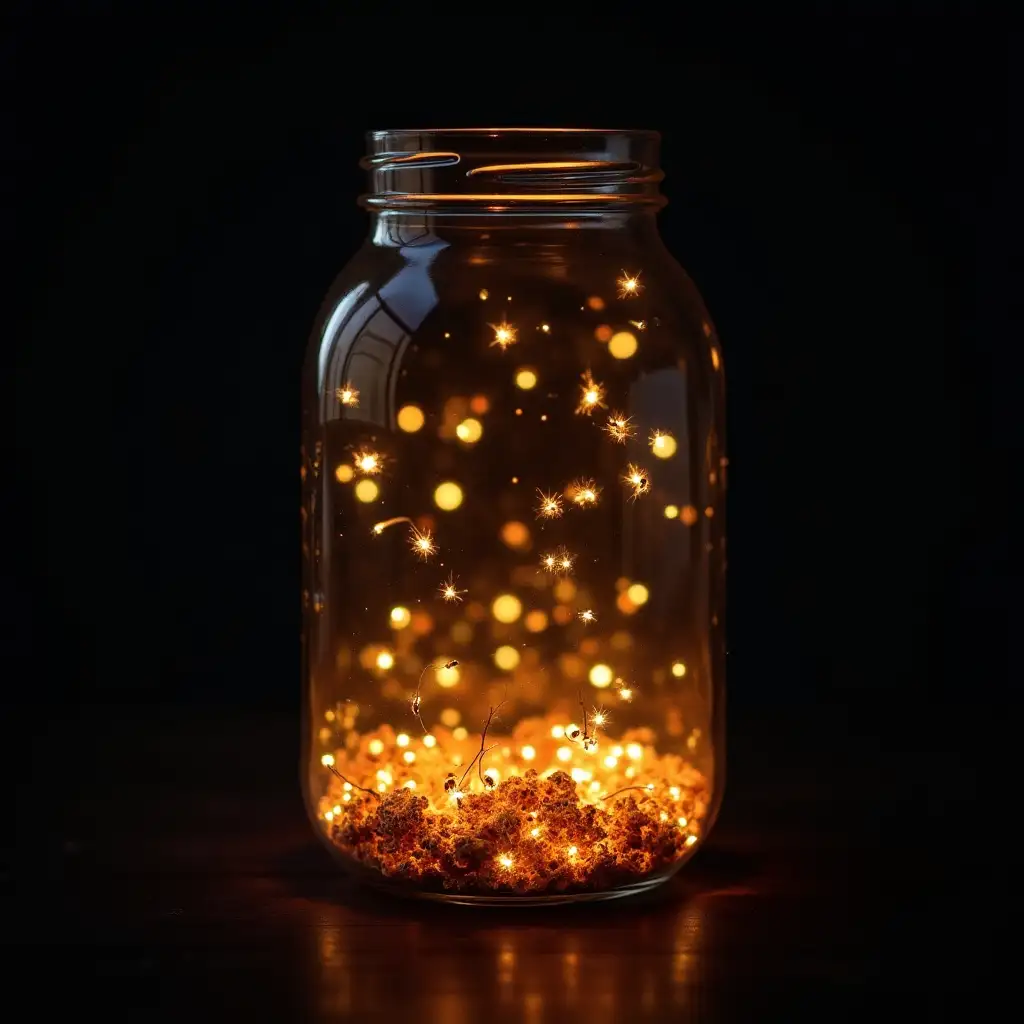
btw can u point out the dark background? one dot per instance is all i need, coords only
(183, 192)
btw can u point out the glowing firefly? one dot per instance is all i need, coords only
(640, 325)
(591, 395)
(629, 285)
(620, 428)
(504, 335)
(638, 480)
(369, 462)
(348, 395)
(558, 562)
(422, 543)
(379, 528)
(550, 506)
(449, 591)
(584, 492)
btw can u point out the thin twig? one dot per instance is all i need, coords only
(626, 789)
(586, 734)
(483, 739)
(352, 784)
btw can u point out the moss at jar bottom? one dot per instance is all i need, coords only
(616, 813)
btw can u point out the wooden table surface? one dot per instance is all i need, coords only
(164, 865)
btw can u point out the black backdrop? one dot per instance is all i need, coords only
(184, 192)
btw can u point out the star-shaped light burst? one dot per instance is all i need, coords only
(450, 591)
(584, 492)
(558, 562)
(369, 462)
(348, 395)
(599, 718)
(422, 543)
(620, 427)
(626, 691)
(587, 616)
(591, 395)
(629, 285)
(549, 505)
(638, 481)
(504, 335)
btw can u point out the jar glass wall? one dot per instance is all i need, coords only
(512, 524)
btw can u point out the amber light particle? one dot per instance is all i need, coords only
(400, 617)
(366, 491)
(469, 431)
(506, 608)
(623, 345)
(506, 658)
(448, 496)
(526, 379)
(515, 535)
(678, 669)
(410, 418)
(663, 444)
(688, 515)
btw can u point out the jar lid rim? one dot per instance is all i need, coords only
(382, 133)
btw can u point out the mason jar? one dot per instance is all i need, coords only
(513, 538)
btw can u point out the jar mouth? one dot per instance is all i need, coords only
(501, 169)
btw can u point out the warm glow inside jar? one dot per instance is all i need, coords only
(513, 538)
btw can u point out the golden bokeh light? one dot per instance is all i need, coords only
(448, 496)
(367, 491)
(410, 418)
(663, 444)
(400, 617)
(484, 293)
(678, 669)
(461, 632)
(526, 379)
(344, 473)
(536, 621)
(451, 717)
(469, 431)
(601, 676)
(623, 345)
(506, 658)
(515, 535)
(671, 511)
(385, 661)
(507, 608)
(638, 594)
(447, 675)
(688, 515)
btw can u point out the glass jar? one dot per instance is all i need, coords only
(513, 540)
